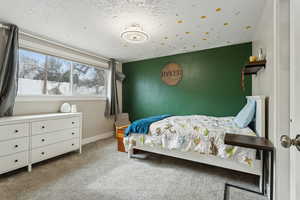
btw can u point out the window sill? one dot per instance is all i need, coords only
(30, 98)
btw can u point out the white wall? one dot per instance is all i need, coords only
(283, 100)
(263, 83)
(94, 122)
(273, 35)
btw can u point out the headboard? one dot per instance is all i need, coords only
(260, 115)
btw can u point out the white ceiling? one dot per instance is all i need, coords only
(174, 26)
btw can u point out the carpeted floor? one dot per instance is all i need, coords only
(102, 173)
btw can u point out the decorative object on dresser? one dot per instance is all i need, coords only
(73, 108)
(25, 140)
(122, 122)
(65, 108)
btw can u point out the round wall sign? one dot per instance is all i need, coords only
(171, 74)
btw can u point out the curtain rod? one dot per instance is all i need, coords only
(33, 36)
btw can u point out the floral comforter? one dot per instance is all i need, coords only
(196, 133)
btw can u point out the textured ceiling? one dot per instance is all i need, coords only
(174, 26)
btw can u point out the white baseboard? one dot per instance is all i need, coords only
(97, 137)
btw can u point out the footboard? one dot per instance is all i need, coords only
(255, 169)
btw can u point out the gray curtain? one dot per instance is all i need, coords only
(9, 68)
(112, 103)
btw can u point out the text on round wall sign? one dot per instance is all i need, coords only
(171, 74)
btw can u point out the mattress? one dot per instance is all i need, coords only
(196, 133)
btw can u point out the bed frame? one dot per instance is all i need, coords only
(256, 169)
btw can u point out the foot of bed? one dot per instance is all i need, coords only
(135, 153)
(140, 156)
(130, 152)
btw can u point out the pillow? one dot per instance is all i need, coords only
(246, 115)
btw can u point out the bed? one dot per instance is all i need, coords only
(200, 139)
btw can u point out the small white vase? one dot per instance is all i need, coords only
(73, 108)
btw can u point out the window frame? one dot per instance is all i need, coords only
(30, 98)
(47, 97)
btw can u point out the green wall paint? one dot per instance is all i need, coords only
(210, 84)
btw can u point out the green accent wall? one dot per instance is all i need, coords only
(210, 84)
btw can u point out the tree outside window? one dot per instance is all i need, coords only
(48, 75)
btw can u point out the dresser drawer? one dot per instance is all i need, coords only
(53, 150)
(13, 146)
(54, 137)
(54, 125)
(14, 161)
(13, 131)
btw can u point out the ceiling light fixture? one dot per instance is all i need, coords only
(137, 2)
(134, 34)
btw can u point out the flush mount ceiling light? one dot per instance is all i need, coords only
(134, 34)
(137, 2)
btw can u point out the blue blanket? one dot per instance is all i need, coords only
(142, 125)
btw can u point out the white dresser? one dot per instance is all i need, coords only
(25, 140)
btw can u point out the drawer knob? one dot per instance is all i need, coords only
(73, 133)
(72, 144)
(43, 153)
(16, 146)
(43, 127)
(16, 131)
(73, 122)
(43, 140)
(16, 161)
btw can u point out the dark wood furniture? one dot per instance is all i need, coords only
(258, 143)
(254, 67)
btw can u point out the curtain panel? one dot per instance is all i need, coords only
(9, 68)
(112, 108)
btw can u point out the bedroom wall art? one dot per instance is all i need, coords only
(171, 74)
(210, 84)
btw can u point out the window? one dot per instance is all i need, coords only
(41, 74)
(88, 80)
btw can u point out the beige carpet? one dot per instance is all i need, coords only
(102, 173)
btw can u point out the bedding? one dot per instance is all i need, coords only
(142, 125)
(198, 133)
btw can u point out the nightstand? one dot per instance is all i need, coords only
(120, 132)
(258, 143)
